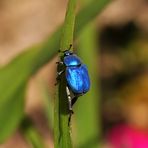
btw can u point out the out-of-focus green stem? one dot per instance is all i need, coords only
(87, 117)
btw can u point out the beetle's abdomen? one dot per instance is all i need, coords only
(78, 79)
(72, 60)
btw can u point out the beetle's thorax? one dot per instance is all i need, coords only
(72, 60)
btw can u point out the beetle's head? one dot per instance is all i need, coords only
(67, 53)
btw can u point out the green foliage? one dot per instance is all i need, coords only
(15, 76)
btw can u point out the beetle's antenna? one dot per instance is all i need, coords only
(66, 49)
(69, 47)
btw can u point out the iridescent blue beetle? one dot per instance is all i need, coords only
(76, 74)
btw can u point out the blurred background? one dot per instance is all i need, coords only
(115, 48)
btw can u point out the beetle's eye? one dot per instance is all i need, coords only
(67, 53)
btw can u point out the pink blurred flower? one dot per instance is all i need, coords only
(124, 136)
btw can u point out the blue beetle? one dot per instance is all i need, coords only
(76, 74)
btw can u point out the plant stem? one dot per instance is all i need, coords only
(61, 113)
(68, 28)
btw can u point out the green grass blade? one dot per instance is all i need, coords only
(62, 137)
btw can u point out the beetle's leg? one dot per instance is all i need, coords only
(74, 99)
(59, 76)
(70, 46)
(69, 99)
(69, 104)
(60, 71)
(59, 63)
